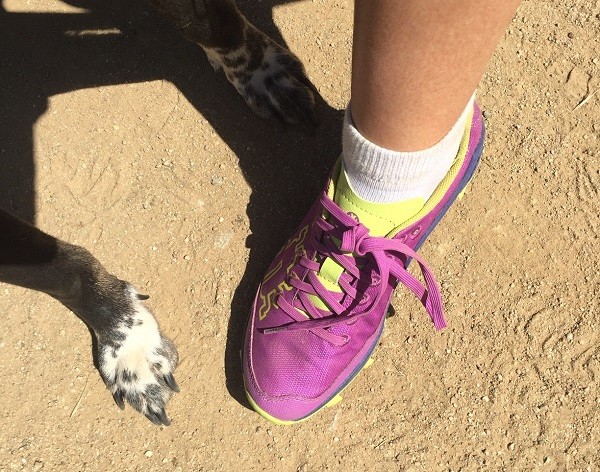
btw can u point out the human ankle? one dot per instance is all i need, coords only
(381, 175)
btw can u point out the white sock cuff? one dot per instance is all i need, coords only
(381, 175)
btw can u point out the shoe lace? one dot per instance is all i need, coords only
(347, 241)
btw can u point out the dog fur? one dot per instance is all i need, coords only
(135, 360)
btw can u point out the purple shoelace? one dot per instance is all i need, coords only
(347, 241)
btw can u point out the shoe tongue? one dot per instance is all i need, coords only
(380, 218)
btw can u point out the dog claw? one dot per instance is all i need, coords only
(118, 397)
(141, 296)
(170, 381)
(154, 418)
(159, 418)
(164, 418)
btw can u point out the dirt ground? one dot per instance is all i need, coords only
(116, 134)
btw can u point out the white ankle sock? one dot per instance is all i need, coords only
(383, 176)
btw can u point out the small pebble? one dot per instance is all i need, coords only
(222, 240)
(569, 336)
(148, 453)
(511, 446)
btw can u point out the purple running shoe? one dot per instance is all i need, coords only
(320, 310)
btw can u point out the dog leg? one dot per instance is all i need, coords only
(135, 360)
(270, 78)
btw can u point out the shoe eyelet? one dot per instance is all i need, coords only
(375, 280)
(354, 216)
(365, 298)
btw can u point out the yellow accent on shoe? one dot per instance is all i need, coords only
(334, 401)
(328, 275)
(380, 218)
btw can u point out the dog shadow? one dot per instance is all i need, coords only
(39, 58)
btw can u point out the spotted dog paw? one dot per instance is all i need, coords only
(270, 78)
(137, 362)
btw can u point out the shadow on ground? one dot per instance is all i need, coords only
(42, 55)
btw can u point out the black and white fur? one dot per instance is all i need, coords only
(135, 360)
(270, 78)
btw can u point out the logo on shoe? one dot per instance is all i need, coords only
(268, 300)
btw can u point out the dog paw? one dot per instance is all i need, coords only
(137, 362)
(270, 78)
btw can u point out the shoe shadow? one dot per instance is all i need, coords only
(43, 54)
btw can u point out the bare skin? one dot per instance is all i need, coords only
(416, 63)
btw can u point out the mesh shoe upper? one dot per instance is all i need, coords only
(320, 309)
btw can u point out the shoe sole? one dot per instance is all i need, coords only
(368, 360)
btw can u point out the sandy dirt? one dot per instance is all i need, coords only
(116, 134)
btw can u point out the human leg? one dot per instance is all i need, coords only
(415, 64)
